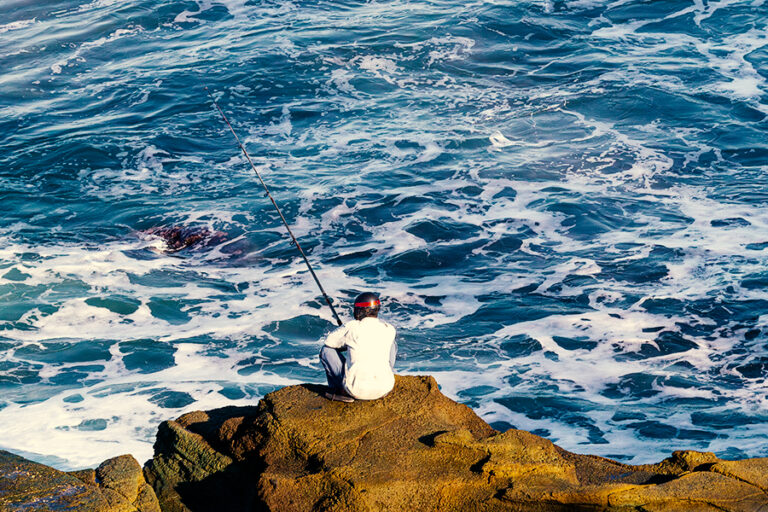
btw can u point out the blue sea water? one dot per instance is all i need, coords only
(561, 202)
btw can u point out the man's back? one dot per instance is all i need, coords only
(369, 342)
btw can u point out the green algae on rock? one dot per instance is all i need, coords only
(117, 485)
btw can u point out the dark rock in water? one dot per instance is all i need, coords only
(117, 485)
(415, 449)
(730, 222)
(181, 237)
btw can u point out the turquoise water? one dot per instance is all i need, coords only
(562, 204)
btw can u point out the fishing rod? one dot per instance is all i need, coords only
(285, 222)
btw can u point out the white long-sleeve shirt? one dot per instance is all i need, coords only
(367, 373)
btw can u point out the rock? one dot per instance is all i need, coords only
(123, 475)
(752, 471)
(683, 461)
(178, 238)
(87, 476)
(116, 486)
(30, 486)
(189, 470)
(415, 449)
(698, 491)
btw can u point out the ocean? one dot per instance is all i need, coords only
(562, 204)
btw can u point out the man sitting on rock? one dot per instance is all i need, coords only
(366, 371)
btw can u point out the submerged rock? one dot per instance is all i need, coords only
(177, 238)
(117, 485)
(415, 449)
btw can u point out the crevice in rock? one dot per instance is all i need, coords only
(477, 467)
(661, 479)
(429, 439)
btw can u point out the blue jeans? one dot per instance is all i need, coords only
(333, 361)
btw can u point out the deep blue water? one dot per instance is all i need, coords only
(562, 204)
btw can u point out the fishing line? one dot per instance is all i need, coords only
(280, 213)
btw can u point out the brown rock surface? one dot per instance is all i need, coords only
(415, 449)
(752, 471)
(116, 486)
(124, 477)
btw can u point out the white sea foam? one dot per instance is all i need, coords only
(98, 4)
(727, 54)
(144, 173)
(77, 55)
(380, 67)
(499, 140)
(237, 8)
(705, 10)
(187, 17)
(340, 78)
(16, 25)
(745, 81)
(446, 48)
(745, 87)
(55, 427)
(461, 47)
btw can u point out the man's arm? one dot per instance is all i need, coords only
(337, 338)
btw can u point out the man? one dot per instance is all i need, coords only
(366, 371)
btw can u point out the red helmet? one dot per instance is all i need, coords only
(366, 304)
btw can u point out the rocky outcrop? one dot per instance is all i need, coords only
(117, 485)
(415, 449)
